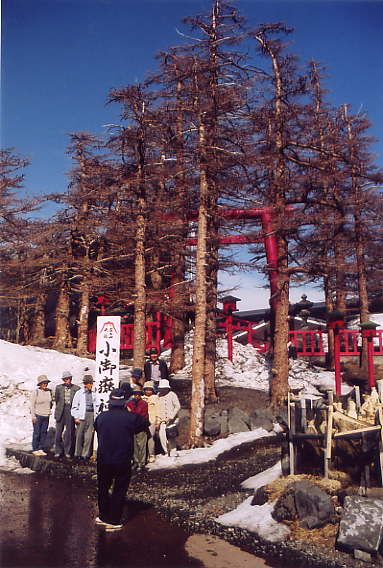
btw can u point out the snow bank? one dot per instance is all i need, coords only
(20, 366)
(209, 453)
(263, 478)
(257, 519)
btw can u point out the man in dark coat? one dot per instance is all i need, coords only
(64, 394)
(115, 431)
(155, 369)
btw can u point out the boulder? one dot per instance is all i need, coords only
(260, 497)
(224, 421)
(285, 508)
(314, 506)
(212, 422)
(238, 420)
(361, 524)
(262, 418)
(307, 502)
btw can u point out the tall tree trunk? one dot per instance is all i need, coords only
(140, 293)
(211, 325)
(199, 343)
(330, 333)
(22, 322)
(38, 322)
(63, 337)
(280, 370)
(340, 275)
(178, 296)
(83, 317)
(178, 302)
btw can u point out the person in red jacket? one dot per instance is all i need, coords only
(138, 406)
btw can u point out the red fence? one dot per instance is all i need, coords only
(158, 333)
(307, 342)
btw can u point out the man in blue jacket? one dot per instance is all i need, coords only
(155, 368)
(115, 431)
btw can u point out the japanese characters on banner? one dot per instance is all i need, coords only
(107, 356)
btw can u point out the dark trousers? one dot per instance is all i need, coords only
(40, 428)
(111, 506)
(65, 444)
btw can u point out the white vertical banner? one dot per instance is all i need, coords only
(107, 355)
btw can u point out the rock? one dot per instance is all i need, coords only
(285, 508)
(305, 501)
(260, 497)
(361, 555)
(224, 421)
(262, 418)
(238, 420)
(314, 507)
(212, 422)
(361, 525)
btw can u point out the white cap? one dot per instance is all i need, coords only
(164, 384)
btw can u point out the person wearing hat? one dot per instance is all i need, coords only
(137, 377)
(155, 368)
(41, 406)
(167, 418)
(140, 407)
(152, 401)
(85, 406)
(64, 395)
(115, 433)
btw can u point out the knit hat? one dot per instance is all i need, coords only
(148, 385)
(164, 384)
(137, 373)
(66, 375)
(42, 379)
(126, 389)
(88, 379)
(117, 397)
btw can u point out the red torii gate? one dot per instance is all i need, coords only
(267, 235)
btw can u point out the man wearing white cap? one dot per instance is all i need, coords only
(64, 394)
(167, 419)
(85, 407)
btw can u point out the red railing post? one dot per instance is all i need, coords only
(369, 334)
(229, 335)
(338, 376)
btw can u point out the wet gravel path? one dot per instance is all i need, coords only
(193, 495)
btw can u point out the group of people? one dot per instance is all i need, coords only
(75, 411)
(148, 394)
(126, 431)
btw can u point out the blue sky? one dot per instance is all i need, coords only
(61, 57)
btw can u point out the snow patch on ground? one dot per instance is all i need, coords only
(203, 455)
(257, 519)
(263, 478)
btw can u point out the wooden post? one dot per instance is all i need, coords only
(379, 385)
(365, 477)
(303, 414)
(357, 398)
(291, 425)
(380, 420)
(328, 443)
(338, 376)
